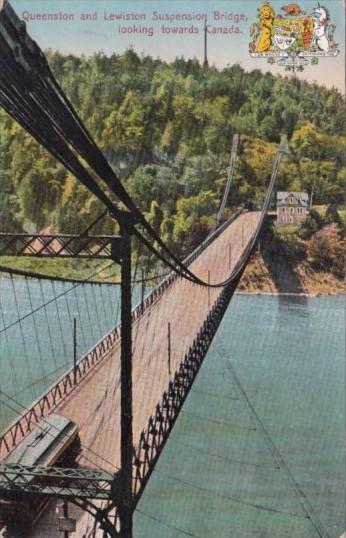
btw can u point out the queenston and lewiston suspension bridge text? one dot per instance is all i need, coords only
(155, 16)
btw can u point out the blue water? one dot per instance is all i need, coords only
(37, 351)
(258, 449)
(264, 458)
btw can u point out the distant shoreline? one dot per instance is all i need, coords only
(288, 276)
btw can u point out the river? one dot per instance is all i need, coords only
(258, 449)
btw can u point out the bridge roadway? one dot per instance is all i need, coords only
(94, 404)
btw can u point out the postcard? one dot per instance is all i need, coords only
(172, 295)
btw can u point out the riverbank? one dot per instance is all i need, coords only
(280, 276)
(283, 264)
(298, 261)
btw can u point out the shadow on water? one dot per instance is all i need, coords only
(281, 258)
(293, 306)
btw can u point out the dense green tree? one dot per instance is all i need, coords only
(326, 251)
(313, 222)
(191, 211)
(166, 130)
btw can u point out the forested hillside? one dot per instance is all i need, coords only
(166, 129)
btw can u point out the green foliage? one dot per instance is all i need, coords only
(155, 216)
(166, 130)
(313, 222)
(332, 216)
(290, 245)
(326, 250)
(194, 216)
(62, 267)
(282, 242)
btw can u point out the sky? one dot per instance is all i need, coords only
(101, 33)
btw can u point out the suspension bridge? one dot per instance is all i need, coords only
(165, 362)
(125, 392)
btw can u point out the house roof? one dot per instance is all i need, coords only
(302, 197)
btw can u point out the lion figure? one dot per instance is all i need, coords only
(266, 17)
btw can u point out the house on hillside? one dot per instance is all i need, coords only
(292, 207)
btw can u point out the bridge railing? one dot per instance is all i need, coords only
(62, 388)
(153, 438)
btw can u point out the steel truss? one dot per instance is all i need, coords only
(60, 245)
(59, 482)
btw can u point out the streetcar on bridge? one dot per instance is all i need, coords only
(53, 443)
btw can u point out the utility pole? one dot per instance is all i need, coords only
(205, 62)
(142, 291)
(74, 351)
(169, 348)
(66, 525)
(65, 514)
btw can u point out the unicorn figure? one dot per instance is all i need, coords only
(321, 20)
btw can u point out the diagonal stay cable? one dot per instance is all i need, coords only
(36, 331)
(9, 348)
(236, 500)
(167, 525)
(55, 278)
(62, 294)
(216, 455)
(43, 378)
(278, 458)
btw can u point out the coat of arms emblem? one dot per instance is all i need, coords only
(295, 38)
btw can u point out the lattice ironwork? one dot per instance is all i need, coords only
(62, 246)
(60, 482)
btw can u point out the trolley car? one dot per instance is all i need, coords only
(54, 442)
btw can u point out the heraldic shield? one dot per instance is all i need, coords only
(291, 37)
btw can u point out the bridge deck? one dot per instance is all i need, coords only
(94, 404)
